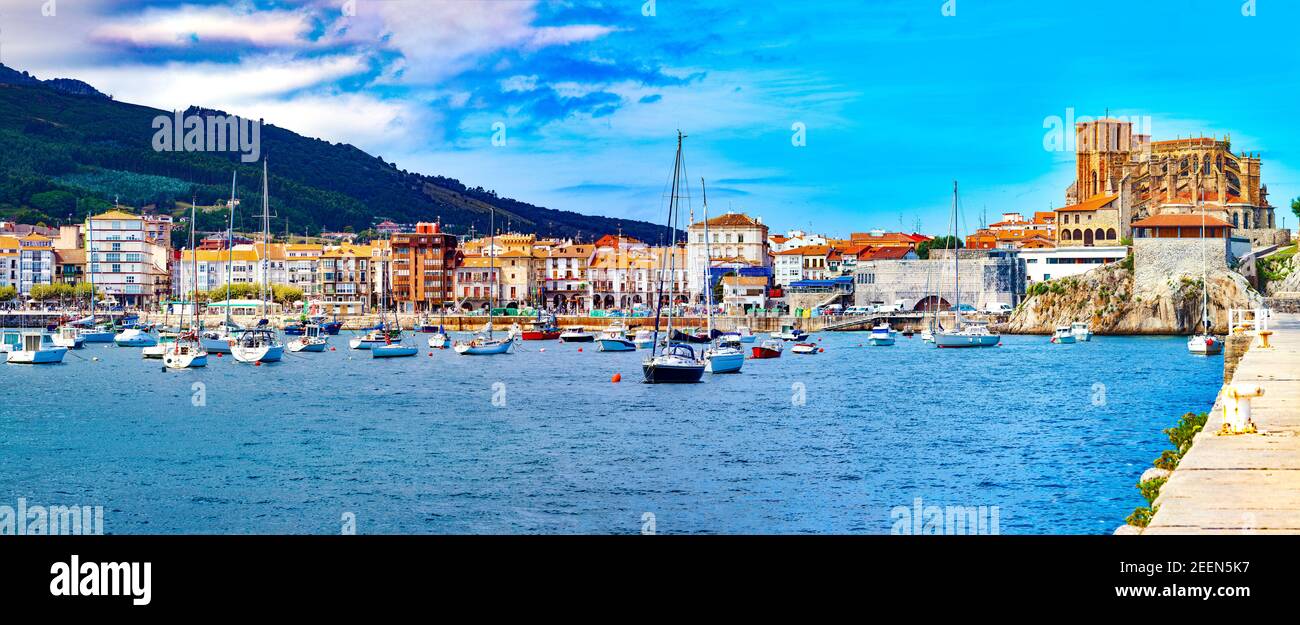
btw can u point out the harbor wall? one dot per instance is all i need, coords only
(1159, 263)
(471, 323)
(984, 280)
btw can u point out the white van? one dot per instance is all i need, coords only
(998, 308)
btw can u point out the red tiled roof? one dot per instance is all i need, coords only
(807, 250)
(1090, 204)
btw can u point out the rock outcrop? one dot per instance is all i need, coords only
(1107, 299)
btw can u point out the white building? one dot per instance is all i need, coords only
(35, 262)
(808, 262)
(1050, 263)
(734, 238)
(125, 265)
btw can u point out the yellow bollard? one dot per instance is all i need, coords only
(1236, 408)
(1263, 337)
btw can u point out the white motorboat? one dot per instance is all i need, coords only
(881, 336)
(576, 335)
(1081, 331)
(746, 335)
(790, 333)
(258, 344)
(439, 340)
(69, 336)
(371, 339)
(614, 339)
(483, 345)
(32, 348)
(644, 339)
(313, 339)
(1063, 336)
(134, 337)
(804, 348)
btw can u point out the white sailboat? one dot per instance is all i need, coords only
(484, 344)
(964, 333)
(217, 340)
(186, 351)
(676, 363)
(260, 344)
(722, 356)
(1204, 343)
(397, 346)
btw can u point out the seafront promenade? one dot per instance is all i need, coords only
(1247, 483)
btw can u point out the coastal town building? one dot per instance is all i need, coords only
(986, 277)
(126, 262)
(1167, 247)
(1049, 263)
(736, 241)
(477, 282)
(301, 260)
(424, 268)
(564, 284)
(1101, 220)
(343, 274)
(1013, 231)
(742, 293)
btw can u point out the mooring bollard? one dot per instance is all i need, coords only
(1263, 337)
(1236, 408)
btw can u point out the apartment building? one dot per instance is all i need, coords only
(423, 268)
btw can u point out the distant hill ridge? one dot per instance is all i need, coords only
(66, 148)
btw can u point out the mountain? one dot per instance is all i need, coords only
(66, 149)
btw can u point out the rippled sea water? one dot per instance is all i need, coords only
(1055, 436)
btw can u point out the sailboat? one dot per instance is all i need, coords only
(217, 340)
(675, 363)
(187, 350)
(396, 346)
(723, 355)
(1204, 343)
(964, 333)
(260, 344)
(484, 344)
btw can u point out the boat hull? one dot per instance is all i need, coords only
(215, 346)
(672, 374)
(965, 340)
(173, 360)
(139, 340)
(299, 345)
(38, 357)
(483, 350)
(155, 351)
(97, 337)
(1067, 339)
(393, 351)
(615, 345)
(439, 341)
(577, 338)
(1204, 345)
(724, 363)
(764, 353)
(537, 335)
(70, 343)
(880, 341)
(260, 353)
(364, 344)
(804, 348)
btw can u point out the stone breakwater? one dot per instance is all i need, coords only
(1110, 301)
(473, 323)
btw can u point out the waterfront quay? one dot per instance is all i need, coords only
(1244, 483)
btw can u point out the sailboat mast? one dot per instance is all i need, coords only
(90, 219)
(1205, 272)
(659, 291)
(230, 243)
(956, 264)
(492, 266)
(266, 236)
(708, 261)
(194, 254)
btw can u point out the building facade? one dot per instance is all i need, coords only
(423, 268)
(124, 260)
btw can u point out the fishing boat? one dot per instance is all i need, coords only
(1063, 336)
(723, 354)
(134, 337)
(790, 333)
(541, 329)
(767, 349)
(1204, 343)
(156, 351)
(804, 348)
(614, 339)
(69, 336)
(261, 344)
(32, 348)
(484, 344)
(676, 363)
(186, 351)
(576, 335)
(1081, 331)
(963, 333)
(312, 340)
(881, 336)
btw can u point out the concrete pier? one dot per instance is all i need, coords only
(1247, 483)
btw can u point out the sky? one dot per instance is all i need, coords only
(826, 116)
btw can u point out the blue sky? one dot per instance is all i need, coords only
(897, 99)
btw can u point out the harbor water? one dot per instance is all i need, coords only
(541, 441)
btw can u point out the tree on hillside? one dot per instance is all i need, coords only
(1295, 207)
(938, 243)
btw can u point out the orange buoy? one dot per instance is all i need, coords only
(332, 349)
(431, 354)
(257, 364)
(618, 377)
(579, 349)
(821, 349)
(218, 354)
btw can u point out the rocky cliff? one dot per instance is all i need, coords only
(1106, 298)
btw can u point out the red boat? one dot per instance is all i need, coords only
(541, 331)
(769, 349)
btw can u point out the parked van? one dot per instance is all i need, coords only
(998, 308)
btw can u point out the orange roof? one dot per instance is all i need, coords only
(730, 219)
(1091, 204)
(778, 239)
(1172, 221)
(889, 253)
(807, 250)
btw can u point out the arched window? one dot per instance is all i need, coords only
(1078, 234)
(1066, 236)
(1101, 235)
(1245, 219)
(1110, 234)
(1087, 237)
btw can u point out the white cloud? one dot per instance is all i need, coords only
(182, 26)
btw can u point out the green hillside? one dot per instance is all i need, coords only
(65, 149)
